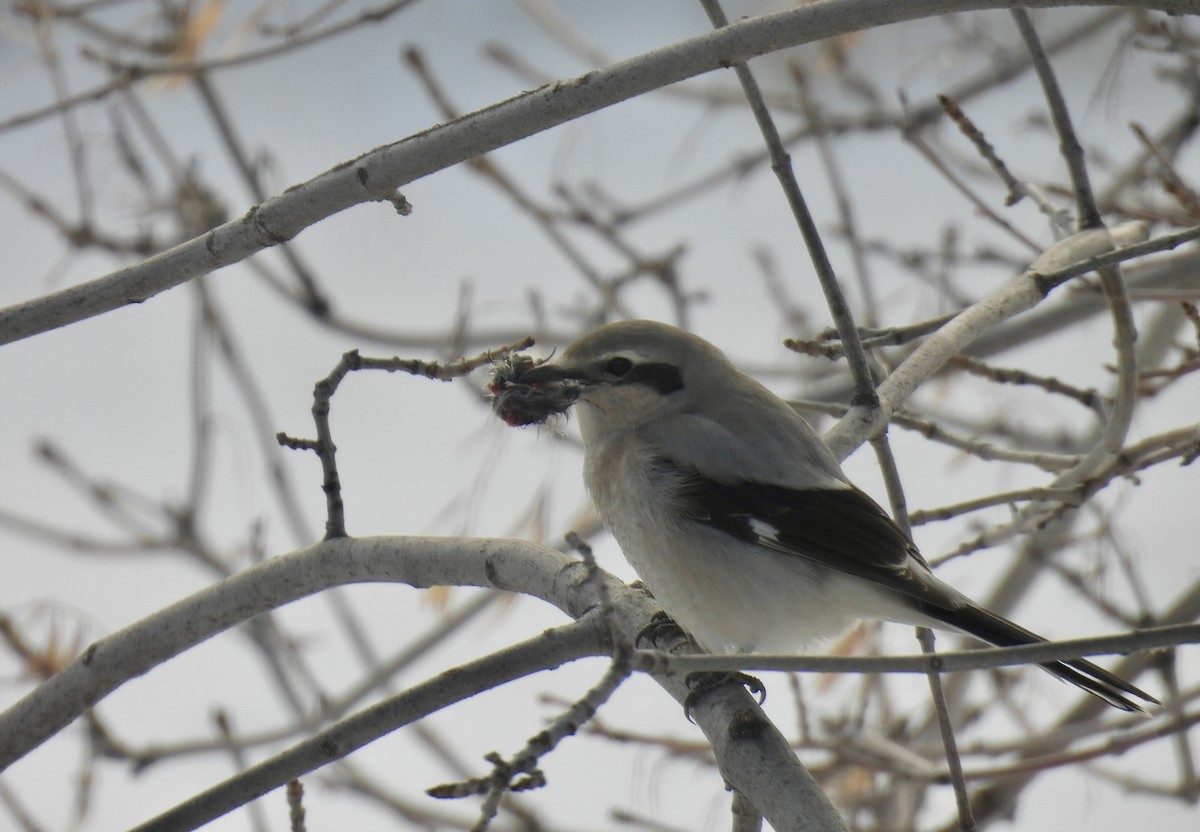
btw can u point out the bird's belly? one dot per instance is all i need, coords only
(729, 595)
(745, 599)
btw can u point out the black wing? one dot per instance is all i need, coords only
(840, 528)
(844, 529)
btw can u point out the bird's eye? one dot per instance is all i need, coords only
(618, 366)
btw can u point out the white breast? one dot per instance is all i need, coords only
(729, 595)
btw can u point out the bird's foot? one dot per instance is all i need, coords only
(705, 682)
(661, 626)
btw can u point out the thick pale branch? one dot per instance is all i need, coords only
(420, 562)
(547, 650)
(376, 176)
(1022, 292)
(753, 755)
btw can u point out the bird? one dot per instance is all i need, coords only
(734, 513)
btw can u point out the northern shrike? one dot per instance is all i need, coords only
(733, 512)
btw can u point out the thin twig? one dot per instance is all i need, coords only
(323, 445)
(825, 346)
(1142, 640)
(1087, 215)
(1089, 398)
(941, 708)
(1017, 189)
(1087, 218)
(931, 515)
(781, 163)
(913, 136)
(837, 184)
(1182, 444)
(521, 772)
(295, 802)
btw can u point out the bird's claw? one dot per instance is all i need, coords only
(660, 625)
(704, 682)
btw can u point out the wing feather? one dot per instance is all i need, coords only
(839, 528)
(844, 529)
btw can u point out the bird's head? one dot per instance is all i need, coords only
(625, 374)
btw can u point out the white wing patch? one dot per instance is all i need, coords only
(764, 529)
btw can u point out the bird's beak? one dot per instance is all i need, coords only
(549, 374)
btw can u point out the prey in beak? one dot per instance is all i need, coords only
(527, 393)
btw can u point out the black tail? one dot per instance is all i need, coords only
(1080, 672)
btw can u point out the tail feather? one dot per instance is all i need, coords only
(1094, 679)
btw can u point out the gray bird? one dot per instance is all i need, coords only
(735, 514)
